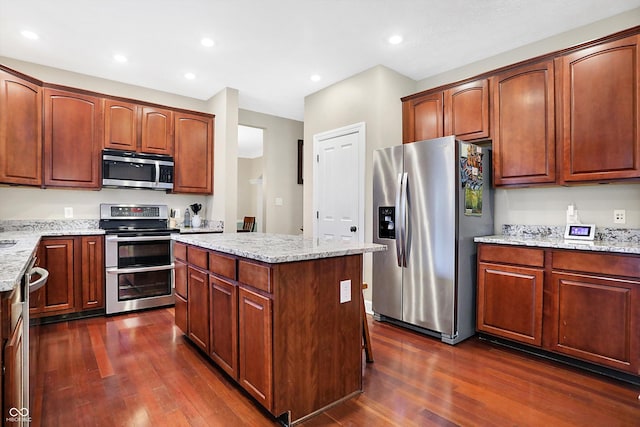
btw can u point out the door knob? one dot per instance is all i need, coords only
(353, 228)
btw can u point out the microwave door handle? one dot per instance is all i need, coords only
(156, 178)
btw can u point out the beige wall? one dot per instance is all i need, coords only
(279, 171)
(248, 170)
(372, 97)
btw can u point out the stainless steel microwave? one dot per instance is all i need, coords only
(125, 169)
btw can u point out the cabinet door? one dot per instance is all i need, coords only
(466, 110)
(20, 131)
(72, 139)
(510, 302)
(423, 118)
(523, 125)
(157, 131)
(92, 272)
(180, 312)
(600, 90)
(193, 154)
(198, 307)
(596, 319)
(13, 364)
(56, 256)
(255, 346)
(120, 125)
(224, 324)
(180, 270)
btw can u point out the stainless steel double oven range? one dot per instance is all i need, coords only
(138, 257)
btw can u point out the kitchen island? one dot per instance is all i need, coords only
(280, 314)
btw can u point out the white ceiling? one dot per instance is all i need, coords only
(268, 49)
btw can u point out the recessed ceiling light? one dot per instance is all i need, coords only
(315, 78)
(30, 35)
(119, 58)
(207, 42)
(395, 39)
(189, 76)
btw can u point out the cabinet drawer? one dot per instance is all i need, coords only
(597, 263)
(256, 275)
(197, 257)
(180, 251)
(511, 255)
(223, 265)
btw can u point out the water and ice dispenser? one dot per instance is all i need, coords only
(386, 222)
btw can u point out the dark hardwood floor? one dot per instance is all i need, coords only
(138, 370)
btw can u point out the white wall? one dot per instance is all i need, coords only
(372, 97)
(248, 170)
(547, 206)
(279, 171)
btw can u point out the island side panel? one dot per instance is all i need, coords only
(317, 339)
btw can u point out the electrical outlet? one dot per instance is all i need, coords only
(619, 216)
(68, 212)
(345, 291)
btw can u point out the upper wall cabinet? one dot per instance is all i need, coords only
(466, 110)
(462, 111)
(20, 131)
(133, 127)
(599, 89)
(423, 117)
(72, 139)
(523, 125)
(193, 153)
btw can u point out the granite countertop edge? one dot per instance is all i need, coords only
(276, 248)
(561, 243)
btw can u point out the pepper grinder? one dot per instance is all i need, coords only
(187, 218)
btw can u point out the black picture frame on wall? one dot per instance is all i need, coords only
(300, 152)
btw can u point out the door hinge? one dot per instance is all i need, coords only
(317, 158)
(317, 214)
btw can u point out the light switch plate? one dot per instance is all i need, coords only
(345, 291)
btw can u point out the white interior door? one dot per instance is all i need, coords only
(339, 183)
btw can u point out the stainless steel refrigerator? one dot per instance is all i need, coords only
(430, 199)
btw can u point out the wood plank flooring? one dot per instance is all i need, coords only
(138, 370)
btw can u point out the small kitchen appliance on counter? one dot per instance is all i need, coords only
(138, 256)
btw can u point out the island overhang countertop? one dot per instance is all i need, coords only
(277, 248)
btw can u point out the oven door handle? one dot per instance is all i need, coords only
(136, 238)
(115, 270)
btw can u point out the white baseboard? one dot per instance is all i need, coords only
(368, 307)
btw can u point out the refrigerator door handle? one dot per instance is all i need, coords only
(403, 202)
(399, 221)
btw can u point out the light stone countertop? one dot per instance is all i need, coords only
(617, 240)
(276, 248)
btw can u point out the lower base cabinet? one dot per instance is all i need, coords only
(255, 346)
(581, 304)
(76, 276)
(273, 327)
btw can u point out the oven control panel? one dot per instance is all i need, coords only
(108, 211)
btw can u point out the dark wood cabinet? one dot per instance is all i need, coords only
(56, 255)
(462, 111)
(581, 304)
(255, 345)
(120, 125)
(595, 311)
(76, 276)
(466, 110)
(198, 307)
(72, 139)
(20, 131)
(510, 292)
(156, 133)
(523, 132)
(599, 89)
(134, 127)
(423, 117)
(92, 259)
(193, 146)
(224, 324)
